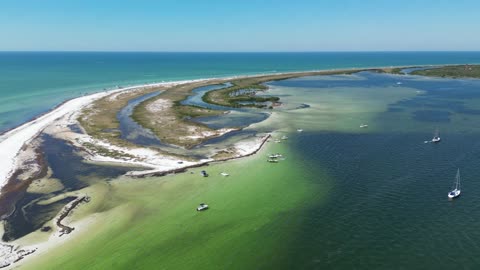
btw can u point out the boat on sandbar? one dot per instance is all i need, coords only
(456, 190)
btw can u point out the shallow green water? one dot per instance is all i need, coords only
(251, 220)
(344, 197)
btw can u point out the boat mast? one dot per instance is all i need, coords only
(458, 180)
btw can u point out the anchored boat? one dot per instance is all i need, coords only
(456, 191)
(436, 137)
(275, 155)
(202, 207)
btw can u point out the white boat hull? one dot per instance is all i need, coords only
(453, 194)
(202, 207)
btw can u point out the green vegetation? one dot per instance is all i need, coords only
(169, 120)
(397, 70)
(100, 118)
(244, 90)
(106, 152)
(187, 112)
(458, 71)
(241, 94)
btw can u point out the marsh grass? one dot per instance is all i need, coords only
(457, 71)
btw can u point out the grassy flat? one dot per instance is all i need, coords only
(169, 120)
(458, 71)
(228, 96)
(100, 118)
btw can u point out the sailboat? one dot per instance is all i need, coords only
(456, 191)
(436, 138)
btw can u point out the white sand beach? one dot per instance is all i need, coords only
(12, 141)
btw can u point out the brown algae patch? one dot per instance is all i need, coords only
(45, 185)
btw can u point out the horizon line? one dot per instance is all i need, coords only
(146, 51)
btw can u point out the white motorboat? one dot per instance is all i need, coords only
(363, 126)
(456, 191)
(224, 174)
(299, 130)
(202, 207)
(436, 137)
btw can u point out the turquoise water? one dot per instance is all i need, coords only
(32, 83)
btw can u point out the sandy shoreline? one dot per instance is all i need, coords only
(12, 141)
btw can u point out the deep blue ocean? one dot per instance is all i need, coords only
(31, 83)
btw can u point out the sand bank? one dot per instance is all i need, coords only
(12, 141)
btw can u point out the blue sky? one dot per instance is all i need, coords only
(242, 25)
